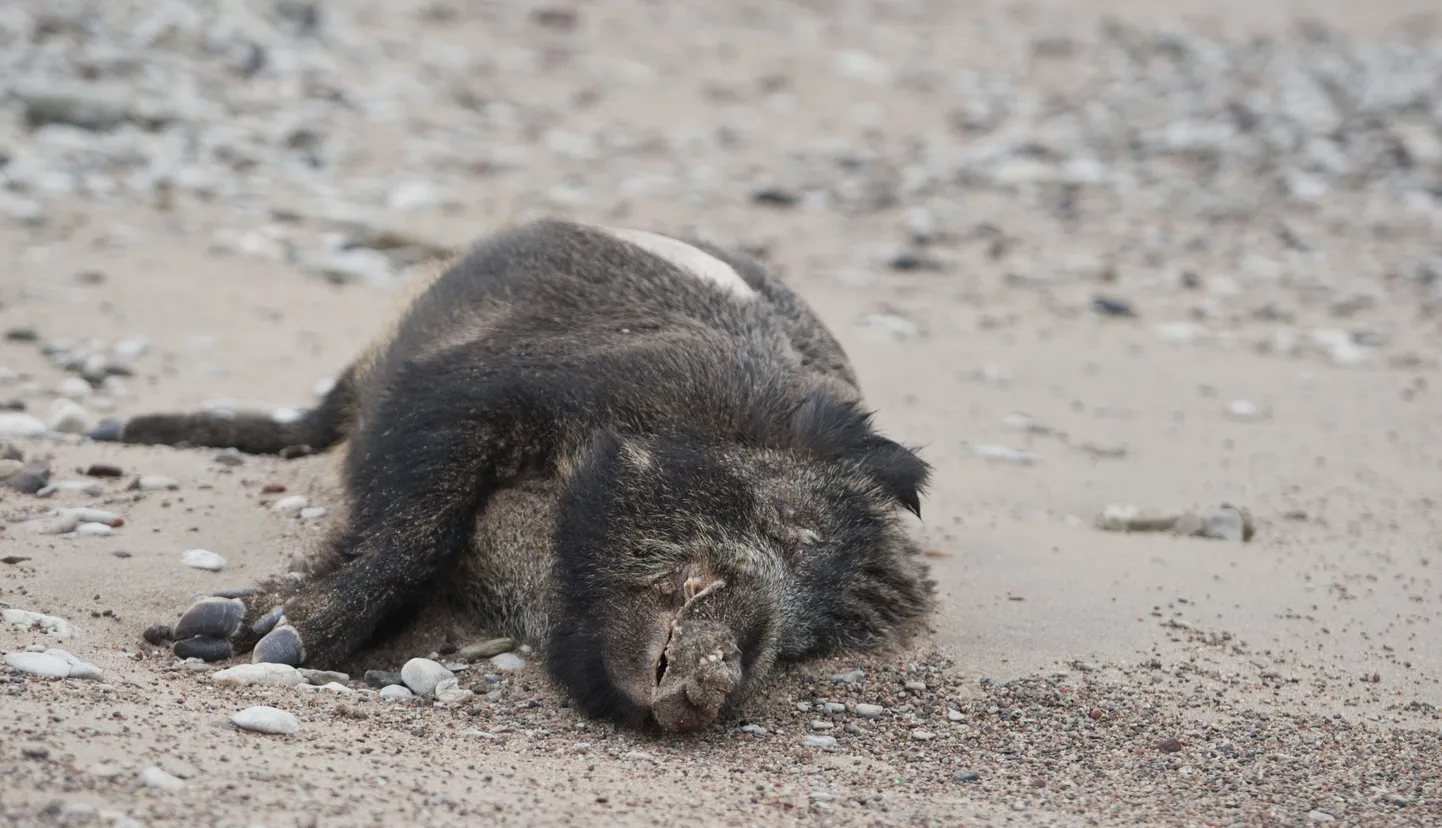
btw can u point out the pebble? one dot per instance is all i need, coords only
(89, 515)
(9, 467)
(870, 711)
(58, 525)
(38, 664)
(850, 677)
(966, 776)
(450, 691)
(203, 559)
(922, 735)
(1243, 411)
(231, 457)
(916, 686)
(422, 675)
(31, 478)
(1006, 454)
(53, 625)
(486, 649)
(17, 424)
(94, 530)
(753, 729)
(265, 674)
(507, 662)
(156, 483)
(313, 512)
(289, 505)
(833, 708)
(816, 741)
(396, 691)
(68, 417)
(153, 777)
(265, 719)
(323, 677)
(383, 678)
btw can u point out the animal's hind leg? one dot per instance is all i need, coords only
(316, 430)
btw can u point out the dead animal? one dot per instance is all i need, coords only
(646, 457)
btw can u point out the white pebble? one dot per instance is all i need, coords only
(813, 740)
(263, 673)
(1004, 454)
(203, 559)
(156, 483)
(16, 424)
(869, 711)
(93, 529)
(1243, 411)
(422, 675)
(265, 719)
(507, 662)
(396, 691)
(38, 664)
(289, 505)
(450, 691)
(312, 512)
(78, 669)
(87, 514)
(58, 627)
(153, 777)
(75, 388)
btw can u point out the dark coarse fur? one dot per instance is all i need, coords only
(667, 488)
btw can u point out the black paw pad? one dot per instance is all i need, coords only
(202, 647)
(211, 617)
(279, 646)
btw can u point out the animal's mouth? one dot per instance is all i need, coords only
(661, 660)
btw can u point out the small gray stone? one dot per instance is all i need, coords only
(383, 678)
(507, 662)
(323, 677)
(265, 719)
(833, 708)
(68, 417)
(486, 649)
(816, 741)
(870, 711)
(849, 677)
(916, 686)
(422, 675)
(396, 691)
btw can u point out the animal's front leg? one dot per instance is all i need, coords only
(417, 474)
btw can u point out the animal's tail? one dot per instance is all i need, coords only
(315, 430)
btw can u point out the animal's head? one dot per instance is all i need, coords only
(687, 565)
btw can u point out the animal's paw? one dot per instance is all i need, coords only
(282, 645)
(215, 628)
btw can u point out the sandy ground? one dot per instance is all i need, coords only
(1074, 677)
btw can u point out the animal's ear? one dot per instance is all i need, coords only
(902, 474)
(840, 430)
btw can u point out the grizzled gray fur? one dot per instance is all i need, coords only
(648, 458)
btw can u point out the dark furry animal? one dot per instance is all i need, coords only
(647, 457)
